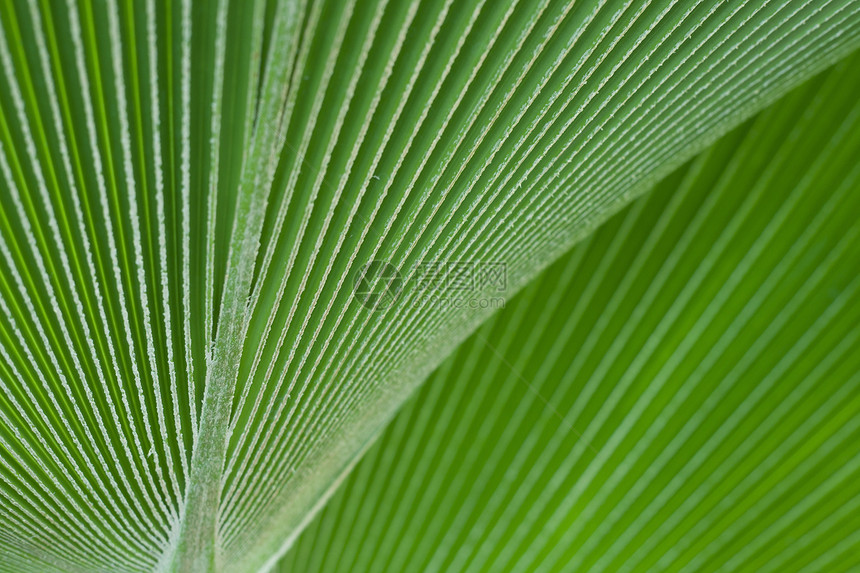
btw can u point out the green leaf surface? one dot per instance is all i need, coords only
(190, 189)
(680, 392)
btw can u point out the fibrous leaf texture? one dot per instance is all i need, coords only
(680, 392)
(192, 193)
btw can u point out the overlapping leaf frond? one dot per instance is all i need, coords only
(681, 392)
(189, 189)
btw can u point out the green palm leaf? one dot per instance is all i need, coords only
(681, 392)
(188, 191)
